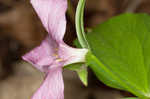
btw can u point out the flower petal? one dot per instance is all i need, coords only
(42, 56)
(71, 55)
(53, 86)
(52, 15)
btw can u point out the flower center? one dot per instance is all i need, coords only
(57, 58)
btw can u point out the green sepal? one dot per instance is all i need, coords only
(81, 70)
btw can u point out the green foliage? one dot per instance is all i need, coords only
(120, 53)
(130, 98)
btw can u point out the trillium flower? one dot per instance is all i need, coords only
(53, 53)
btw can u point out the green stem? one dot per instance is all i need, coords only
(80, 24)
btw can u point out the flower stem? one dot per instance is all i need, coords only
(80, 24)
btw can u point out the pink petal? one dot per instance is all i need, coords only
(71, 55)
(53, 86)
(42, 56)
(52, 15)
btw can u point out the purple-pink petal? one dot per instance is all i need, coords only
(52, 15)
(71, 55)
(42, 56)
(53, 53)
(52, 87)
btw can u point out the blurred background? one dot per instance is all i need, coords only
(21, 30)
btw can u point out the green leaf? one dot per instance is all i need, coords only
(120, 53)
(80, 25)
(81, 70)
(102, 72)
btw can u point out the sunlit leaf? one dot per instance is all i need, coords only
(120, 53)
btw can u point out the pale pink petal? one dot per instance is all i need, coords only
(53, 86)
(71, 55)
(52, 15)
(42, 56)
